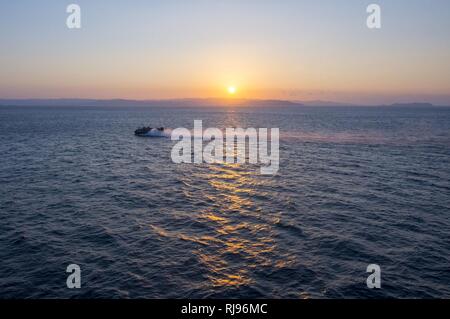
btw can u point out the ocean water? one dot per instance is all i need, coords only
(356, 186)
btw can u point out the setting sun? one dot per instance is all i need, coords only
(231, 90)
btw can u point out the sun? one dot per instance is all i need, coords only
(232, 90)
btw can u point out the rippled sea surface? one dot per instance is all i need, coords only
(356, 186)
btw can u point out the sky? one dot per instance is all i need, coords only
(266, 49)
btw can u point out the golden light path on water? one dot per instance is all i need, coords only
(234, 239)
(242, 238)
(241, 235)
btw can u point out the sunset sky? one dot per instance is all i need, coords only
(295, 50)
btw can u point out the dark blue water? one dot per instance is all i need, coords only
(356, 186)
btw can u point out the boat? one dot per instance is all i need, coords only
(150, 131)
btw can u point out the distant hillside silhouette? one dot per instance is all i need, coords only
(167, 103)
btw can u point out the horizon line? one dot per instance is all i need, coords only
(221, 99)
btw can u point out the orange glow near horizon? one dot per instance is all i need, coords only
(231, 50)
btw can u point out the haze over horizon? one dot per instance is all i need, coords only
(193, 102)
(290, 50)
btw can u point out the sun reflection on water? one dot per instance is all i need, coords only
(234, 237)
(246, 240)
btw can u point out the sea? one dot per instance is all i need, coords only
(356, 186)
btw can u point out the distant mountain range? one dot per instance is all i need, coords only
(185, 103)
(167, 103)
